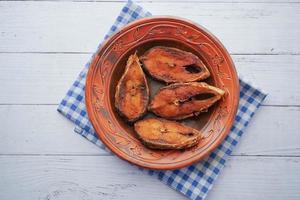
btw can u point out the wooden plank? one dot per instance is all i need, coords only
(38, 78)
(250, 28)
(76, 177)
(106, 177)
(45, 78)
(276, 75)
(273, 131)
(39, 129)
(35, 129)
(258, 178)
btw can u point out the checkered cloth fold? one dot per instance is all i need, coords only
(193, 181)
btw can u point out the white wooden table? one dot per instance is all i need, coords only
(44, 45)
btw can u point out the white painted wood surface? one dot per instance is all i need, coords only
(44, 45)
(107, 177)
(244, 28)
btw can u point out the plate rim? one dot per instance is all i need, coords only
(114, 149)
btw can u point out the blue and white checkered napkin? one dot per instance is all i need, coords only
(196, 180)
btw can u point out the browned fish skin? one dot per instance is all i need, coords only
(183, 100)
(132, 91)
(164, 134)
(172, 65)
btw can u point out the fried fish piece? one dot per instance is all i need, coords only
(157, 133)
(183, 100)
(172, 65)
(132, 91)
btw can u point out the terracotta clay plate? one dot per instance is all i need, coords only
(108, 65)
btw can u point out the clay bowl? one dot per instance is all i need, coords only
(108, 65)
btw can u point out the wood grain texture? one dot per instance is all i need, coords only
(244, 28)
(106, 178)
(38, 78)
(45, 78)
(258, 178)
(41, 130)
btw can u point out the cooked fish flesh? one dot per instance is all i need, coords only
(157, 133)
(182, 100)
(132, 91)
(172, 65)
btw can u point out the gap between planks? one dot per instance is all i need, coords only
(163, 1)
(84, 53)
(55, 104)
(108, 154)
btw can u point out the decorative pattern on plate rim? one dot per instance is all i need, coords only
(105, 62)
